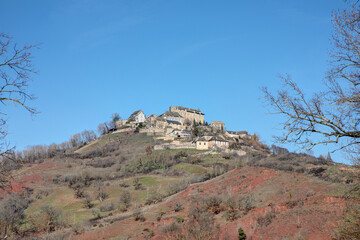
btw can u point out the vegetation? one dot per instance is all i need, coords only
(242, 235)
(331, 116)
(16, 71)
(349, 226)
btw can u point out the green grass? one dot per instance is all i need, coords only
(185, 150)
(190, 168)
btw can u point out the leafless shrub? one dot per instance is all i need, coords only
(178, 207)
(138, 215)
(201, 225)
(88, 200)
(124, 201)
(58, 235)
(12, 213)
(247, 203)
(154, 197)
(177, 187)
(102, 163)
(80, 228)
(100, 190)
(266, 220)
(96, 213)
(170, 228)
(213, 203)
(107, 206)
(54, 218)
(124, 185)
(137, 185)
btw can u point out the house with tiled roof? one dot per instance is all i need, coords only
(172, 116)
(137, 116)
(208, 142)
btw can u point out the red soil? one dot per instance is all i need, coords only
(34, 176)
(301, 206)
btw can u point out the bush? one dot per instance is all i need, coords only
(213, 204)
(170, 228)
(88, 200)
(247, 203)
(266, 220)
(177, 187)
(96, 213)
(102, 163)
(58, 235)
(201, 225)
(154, 197)
(178, 207)
(124, 201)
(231, 214)
(106, 207)
(12, 213)
(54, 218)
(137, 185)
(124, 185)
(349, 225)
(139, 216)
(242, 235)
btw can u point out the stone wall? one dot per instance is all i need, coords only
(171, 146)
(188, 115)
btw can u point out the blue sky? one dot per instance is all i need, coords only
(101, 57)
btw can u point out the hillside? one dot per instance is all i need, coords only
(118, 187)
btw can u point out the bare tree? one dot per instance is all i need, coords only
(16, 70)
(88, 136)
(331, 116)
(114, 118)
(102, 129)
(12, 212)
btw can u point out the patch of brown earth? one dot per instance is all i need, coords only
(295, 205)
(29, 178)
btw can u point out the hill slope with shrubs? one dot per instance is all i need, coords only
(118, 187)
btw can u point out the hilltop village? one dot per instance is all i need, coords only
(183, 127)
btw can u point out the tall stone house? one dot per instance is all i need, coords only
(137, 116)
(217, 126)
(189, 114)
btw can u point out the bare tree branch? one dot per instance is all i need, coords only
(16, 71)
(332, 116)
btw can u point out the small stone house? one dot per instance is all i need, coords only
(203, 144)
(137, 116)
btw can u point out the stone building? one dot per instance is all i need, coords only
(205, 142)
(151, 120)
(219, 142)
(172, 116)
(120, 123)
(180, 133)
(137, 116)
(189, 113)
(217, 126)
